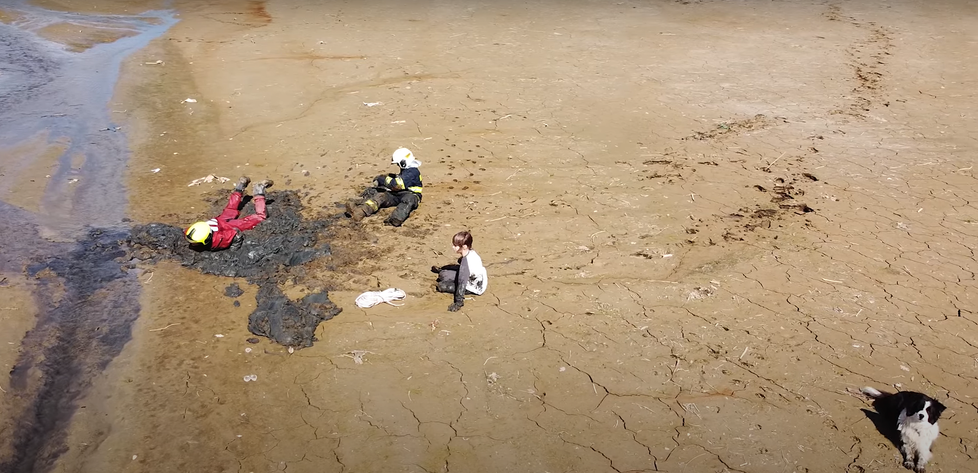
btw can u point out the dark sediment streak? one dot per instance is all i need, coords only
(87, 301)
(75, 338)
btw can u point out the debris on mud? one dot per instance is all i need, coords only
(701, 292)
(757, 122)
(669, 166)
(268, 255)
(492, 378)
(207, 180)
(797, 208)
(785, 202)
(357, 355)
(234, 290)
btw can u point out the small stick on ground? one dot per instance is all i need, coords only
(775, 160)
(163, 328)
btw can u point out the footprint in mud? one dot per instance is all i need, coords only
(757, 122)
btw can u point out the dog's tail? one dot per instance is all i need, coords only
(873, 393)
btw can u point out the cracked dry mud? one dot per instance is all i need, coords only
(703, 222)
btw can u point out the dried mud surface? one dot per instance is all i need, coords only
(704, 222)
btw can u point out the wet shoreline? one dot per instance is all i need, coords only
(77, 335)
(68, 242)
(65, 96)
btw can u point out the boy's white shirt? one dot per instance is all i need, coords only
(478, 277)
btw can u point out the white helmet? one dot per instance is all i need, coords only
(404, 158)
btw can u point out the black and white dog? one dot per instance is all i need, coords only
(915, 415)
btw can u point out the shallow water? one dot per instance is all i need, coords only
(48, 90)
(55, 106)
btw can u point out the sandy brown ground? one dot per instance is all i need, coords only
(704, 222)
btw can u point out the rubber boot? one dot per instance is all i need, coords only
(355, 212)
(407, 205)
(367, 208)
(261, 186)
(243, 182)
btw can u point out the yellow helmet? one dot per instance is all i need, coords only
(198, 232)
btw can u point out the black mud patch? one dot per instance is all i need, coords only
(287, 322)
(88, 303)
(233, 291)
(269, 255)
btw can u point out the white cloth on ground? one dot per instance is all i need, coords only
(372, 298)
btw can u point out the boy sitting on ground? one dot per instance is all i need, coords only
(469, 276)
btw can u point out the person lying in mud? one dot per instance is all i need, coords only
(402, 190)
(469, 276)
(220, 232)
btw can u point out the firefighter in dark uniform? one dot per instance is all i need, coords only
(402, 190)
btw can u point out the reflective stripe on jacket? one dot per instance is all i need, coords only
(411, 178)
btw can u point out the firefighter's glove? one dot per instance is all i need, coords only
(394, 182)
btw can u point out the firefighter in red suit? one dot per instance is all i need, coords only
(218, 233)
